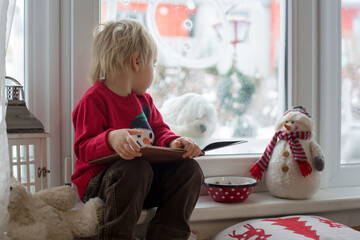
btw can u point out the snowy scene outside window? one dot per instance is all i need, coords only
(350, 117)
(226, 51)
(236, 66)
(230, 56)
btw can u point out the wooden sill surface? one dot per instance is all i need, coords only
(263, 204)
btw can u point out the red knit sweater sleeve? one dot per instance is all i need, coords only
(163, 134)
(90, 124)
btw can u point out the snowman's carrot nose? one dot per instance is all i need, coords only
(287, 127)
(146, 141)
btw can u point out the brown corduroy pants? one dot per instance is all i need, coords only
(128, 186)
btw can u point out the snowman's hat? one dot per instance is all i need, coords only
(299, 114)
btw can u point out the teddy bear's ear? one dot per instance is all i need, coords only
(13, 181)
(15, 185)
(17, 192)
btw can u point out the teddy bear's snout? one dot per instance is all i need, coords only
(11, 188)
(202, 128)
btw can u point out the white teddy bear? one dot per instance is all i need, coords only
(49, 215)
(190, 115)
(292, 159)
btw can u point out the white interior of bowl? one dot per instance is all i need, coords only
(230, 181)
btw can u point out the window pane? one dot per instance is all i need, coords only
(15, 52)
(350, 127)
(225, 51)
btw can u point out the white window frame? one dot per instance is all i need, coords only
(59, 34)
(315, 67)
(330, 96)
(53, 36)
(42, 75)
(212, 165)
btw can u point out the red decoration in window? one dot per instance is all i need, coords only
(170, 19)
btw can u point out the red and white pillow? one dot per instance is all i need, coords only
(289, 227)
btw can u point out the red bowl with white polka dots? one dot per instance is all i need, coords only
(229, 189)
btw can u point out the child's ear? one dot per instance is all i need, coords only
(135, 62)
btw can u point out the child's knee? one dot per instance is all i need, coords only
(136, 170)
(140, 169)
(143, 167)
(194, 170)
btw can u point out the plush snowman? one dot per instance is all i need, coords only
(140, 122)
(292, 159)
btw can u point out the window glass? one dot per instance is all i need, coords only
(15, 52)
(350, 116)
(226, 51)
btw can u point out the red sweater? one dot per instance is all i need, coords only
(101, 111)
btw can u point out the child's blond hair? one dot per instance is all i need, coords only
(113, 48)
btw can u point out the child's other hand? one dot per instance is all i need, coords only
(191, 148)
(122, 142)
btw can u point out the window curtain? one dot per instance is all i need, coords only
(7, 9)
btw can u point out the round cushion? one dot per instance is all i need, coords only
(289, 227)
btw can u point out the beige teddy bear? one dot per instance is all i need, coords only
(49, 214)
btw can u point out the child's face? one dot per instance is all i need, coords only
(143, 78)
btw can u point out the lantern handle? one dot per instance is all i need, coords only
(13, 79)
(17, 84)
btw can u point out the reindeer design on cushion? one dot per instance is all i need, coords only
(331, 224)
(251, 232)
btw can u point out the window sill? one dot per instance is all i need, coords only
(263, 204)
(209, 217)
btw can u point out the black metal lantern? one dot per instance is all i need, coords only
(18, 117)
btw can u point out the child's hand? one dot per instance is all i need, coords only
(122, 142)
(191, 148)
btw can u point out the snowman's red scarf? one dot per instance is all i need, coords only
(296, 150)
